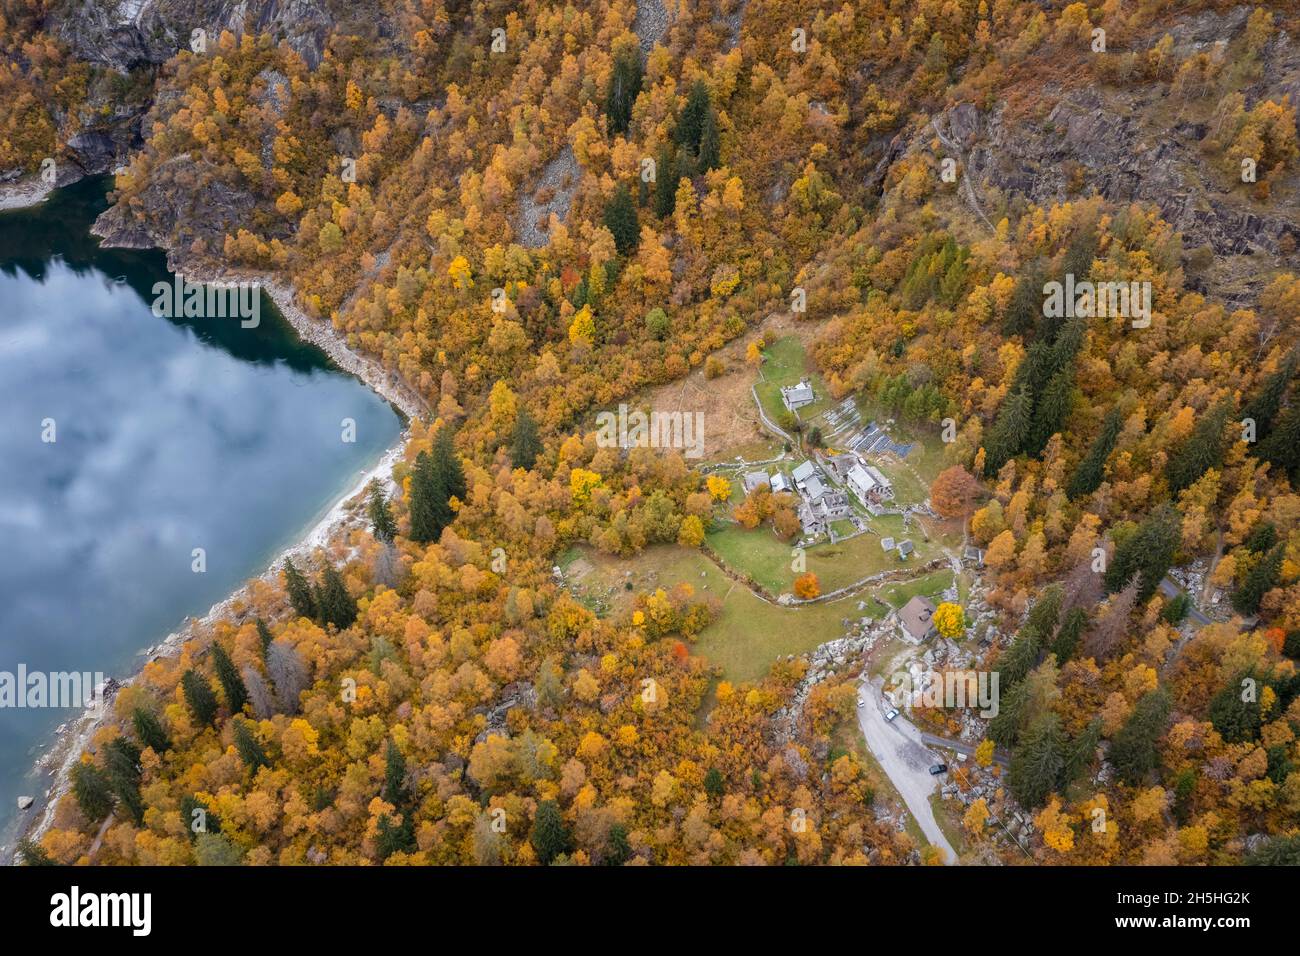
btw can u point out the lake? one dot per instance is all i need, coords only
(128, 441)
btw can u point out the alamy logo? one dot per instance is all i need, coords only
(72, 909)
(182, 298)
(1092, 300)
(54, 689)
(947, 690)
(636, 429)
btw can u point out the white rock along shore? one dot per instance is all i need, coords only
(22, 193)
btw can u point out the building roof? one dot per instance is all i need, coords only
(915, 617)
(780, 482)
(803, 392)
(804, 471)
(905, 548)
(861, 478)
(887, 544)
(814, 488)
(755, 479)
(877, 474)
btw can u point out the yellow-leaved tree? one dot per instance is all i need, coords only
(460, 272)
(950, 620)
(582, 330)
(719, 487)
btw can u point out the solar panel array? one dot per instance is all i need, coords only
(845, 418)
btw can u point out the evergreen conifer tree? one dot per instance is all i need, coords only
(300, 595)
(199, 697)
(525, 443)
(621, 220)
(228, 676)
(382, 523)
(1088, 475)
(150, 730)
(1037, 763)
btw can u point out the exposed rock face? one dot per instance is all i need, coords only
(90, 151)
(103, 148)
(651, 23)
(553, 195)
(127, 33)
(186, 200)
(183, 199)
(1121, 161)
(1122, 144)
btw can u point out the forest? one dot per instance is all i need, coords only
(529, 212)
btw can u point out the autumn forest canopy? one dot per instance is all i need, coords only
(527, 213)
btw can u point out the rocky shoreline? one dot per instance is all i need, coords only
(23, 193)
(72, 737)
(323, 335)
(319, 332)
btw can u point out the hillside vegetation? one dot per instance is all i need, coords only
(430, 693)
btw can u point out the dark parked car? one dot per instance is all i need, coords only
(938, 769)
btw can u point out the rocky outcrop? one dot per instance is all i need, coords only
(105, 146)
(651, 23)
(184, 201)
(91, 151)
(733, 22)
(129, 35)
(552, 196)
(126, 34)
(1084, 133)
(1122, 144)
(824, 662)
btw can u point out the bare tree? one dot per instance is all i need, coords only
(1081, 587)
(259, 695)
(387, 567)
(288, 675)
(1112, 624)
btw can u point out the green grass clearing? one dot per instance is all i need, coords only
(931, 585)
(767, 559)
(748, 635)
(786, 363)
